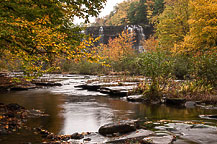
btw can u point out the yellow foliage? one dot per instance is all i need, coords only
(202, 36)
(43, 45)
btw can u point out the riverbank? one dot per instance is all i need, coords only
(137, 88)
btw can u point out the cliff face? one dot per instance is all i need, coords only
(107, 32)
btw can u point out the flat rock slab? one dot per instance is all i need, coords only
(119, 91)
(192, 133)
(135, 98)
(167, 139)
(23, 87)
(214, 117)
(89, 87)
(120, 127)
(50, 84)
(134, 137)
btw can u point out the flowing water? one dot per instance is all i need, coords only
(74, 110)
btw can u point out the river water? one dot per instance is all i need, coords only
(73, 110)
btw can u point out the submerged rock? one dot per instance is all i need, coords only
(175, 101)
(167, 139)
(14, 107)
(208, 117)
(190, 104)
(121, 127)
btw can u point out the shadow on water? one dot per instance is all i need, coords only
(71, 110)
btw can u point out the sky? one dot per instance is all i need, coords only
(107, 9)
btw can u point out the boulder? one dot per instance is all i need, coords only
(77, 136)
(120, 127)
(190, 104)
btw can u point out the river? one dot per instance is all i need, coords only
(73, 110)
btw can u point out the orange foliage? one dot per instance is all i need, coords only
(119, 47)
(150, 44)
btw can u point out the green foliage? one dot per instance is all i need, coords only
(155, 64)
(173, 25)
(183, 67)
(137, 13)
(82, 67)
(158, 7)
(206, 69)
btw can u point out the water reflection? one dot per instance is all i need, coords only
(85, 116)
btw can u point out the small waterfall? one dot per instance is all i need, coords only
(101, 34)
(139, 36)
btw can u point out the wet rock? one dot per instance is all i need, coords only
(47, 84)
(208, 117)
(135, 98)
(77, 136)
(121, 127)
(114, 92)
(86, 77)
(167, 139)
(23, 87)
(190, 104)
(36, 113)
(14, 107)
(192, 133)
(87, 139)
(89, 87)
(175, 101)
(133, 137)
(12, 117)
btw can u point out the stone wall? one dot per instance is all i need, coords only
(107, 32)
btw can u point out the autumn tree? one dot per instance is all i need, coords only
(36, 32)
(172, 24)
(202, 36)
(119, 47)
(119, 15)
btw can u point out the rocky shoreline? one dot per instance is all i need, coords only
(13, 117)
(8, 83)
(112, 89)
